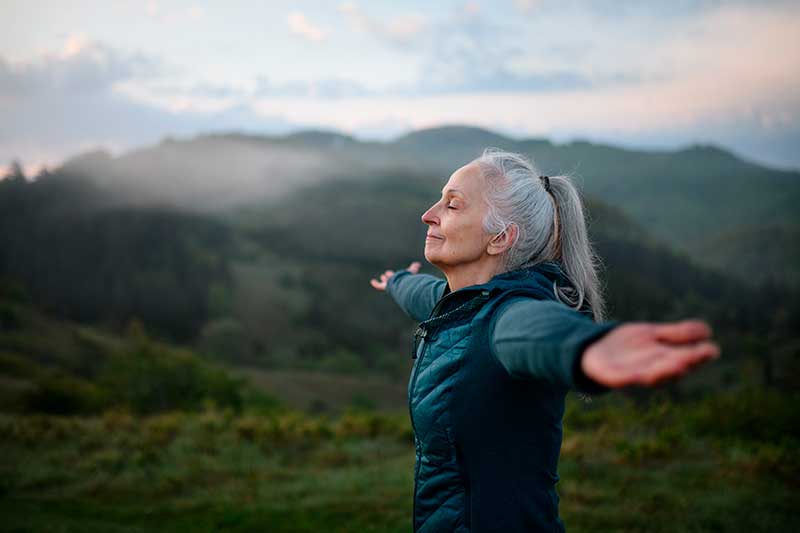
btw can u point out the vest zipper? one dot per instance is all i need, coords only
(422, 333)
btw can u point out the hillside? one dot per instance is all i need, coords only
(61, 367)
(693, 199)
(282, 283)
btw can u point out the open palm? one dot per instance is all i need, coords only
(648, 354)
(387, 275)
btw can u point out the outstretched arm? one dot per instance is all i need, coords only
(416, 294)
(546, 340)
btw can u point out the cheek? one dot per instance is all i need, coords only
(466, 238)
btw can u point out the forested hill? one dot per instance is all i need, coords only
(284, 282)
(698, 200)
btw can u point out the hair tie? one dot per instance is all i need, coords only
(545, 182)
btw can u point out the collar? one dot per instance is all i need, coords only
(541, 275)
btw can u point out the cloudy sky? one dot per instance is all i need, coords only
(120, 74)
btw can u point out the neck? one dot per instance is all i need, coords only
(471, 274)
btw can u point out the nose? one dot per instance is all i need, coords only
(429, 217)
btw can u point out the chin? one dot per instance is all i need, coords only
(434, 260)
(430, 258)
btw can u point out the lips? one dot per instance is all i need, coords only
(430, 236)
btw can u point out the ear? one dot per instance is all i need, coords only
(503, 240)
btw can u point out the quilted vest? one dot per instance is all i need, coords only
(487, 445)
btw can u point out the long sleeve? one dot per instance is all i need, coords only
(416, 294)
(535, 339)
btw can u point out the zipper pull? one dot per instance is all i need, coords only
(421, 333)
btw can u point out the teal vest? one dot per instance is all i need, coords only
(487, 445)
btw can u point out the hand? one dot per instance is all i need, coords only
(386, 276)
(648, 354)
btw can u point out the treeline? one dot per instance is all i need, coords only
(285, 284)
(86, 256)
(59, 367)
(377, 226)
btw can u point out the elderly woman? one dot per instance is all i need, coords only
(516, 324)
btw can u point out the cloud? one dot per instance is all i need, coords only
(262, 87)
(402, 30)
(527, 6)
(467, 51)
(70, 100)
(471, 53)
(712, 74)
(81, 66)
(154, 10)
(316, 89)
(300, 25)
(725, 74)
(694, 84)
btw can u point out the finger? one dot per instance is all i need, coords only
(377, 284)
(676, 362)
(699, 352)
(683, 332)
(414, 267)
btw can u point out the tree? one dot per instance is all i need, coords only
(15, 172)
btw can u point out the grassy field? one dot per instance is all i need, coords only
(325, 392)
(666, 467)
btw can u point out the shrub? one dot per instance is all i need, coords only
(18, 366)
(752, 414)
(61, 394)
(161, 429)
(150, 378)
(9, 317)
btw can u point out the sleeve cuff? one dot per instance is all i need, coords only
(582, 382)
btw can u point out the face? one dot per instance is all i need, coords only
(455, 223)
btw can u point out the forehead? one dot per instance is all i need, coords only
(468, 180)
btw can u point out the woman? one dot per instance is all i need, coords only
(504, 338)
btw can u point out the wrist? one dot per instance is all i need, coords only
(586, 364)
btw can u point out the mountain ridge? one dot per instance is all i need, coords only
(690, 197)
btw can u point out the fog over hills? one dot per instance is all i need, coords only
(258, 250)
(695, 199)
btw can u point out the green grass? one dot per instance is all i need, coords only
(324, 392)
(666, 467)
(206, 472)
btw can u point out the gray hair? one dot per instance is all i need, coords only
(551, 225)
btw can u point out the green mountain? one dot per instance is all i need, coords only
(83, 254)
(282, 281)
(694, 199)
(771, 250)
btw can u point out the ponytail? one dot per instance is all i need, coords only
(549, 216)
(573, 250)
